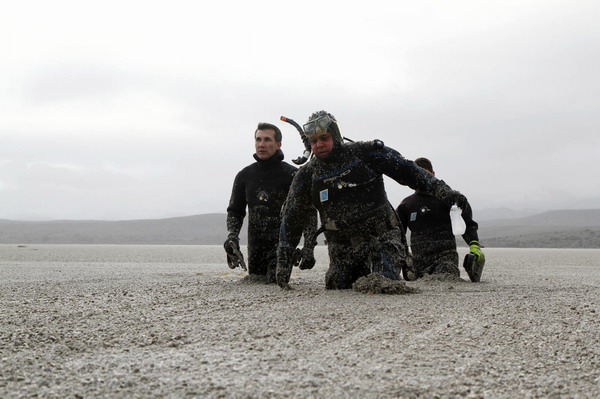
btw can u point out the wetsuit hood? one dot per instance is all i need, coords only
(276, 158)
(321, 121)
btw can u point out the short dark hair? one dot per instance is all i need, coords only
(269, 126)
(424, 163)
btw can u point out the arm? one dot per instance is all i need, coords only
(403, 216)
(471, 237)
(236, 211)
(472, 226)
(295, 215)
(307, 255)
(389, 162)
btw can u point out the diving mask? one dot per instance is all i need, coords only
(318, 125)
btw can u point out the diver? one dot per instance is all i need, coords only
(344, 182)
(432, 241)
(262, 187)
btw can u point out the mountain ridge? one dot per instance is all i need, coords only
(566, 228)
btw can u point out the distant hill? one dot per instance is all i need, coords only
(565, 217)
(197, 229)
(502, 213)
(552, 229)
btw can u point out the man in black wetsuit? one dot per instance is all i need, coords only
(263, 187)
(432, 242)
(344, 182)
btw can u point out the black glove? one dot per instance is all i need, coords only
(450, 197)
(284, 266)
(307, 258)
(409, 273)
(234, 255)
(230, 243)
(460, 200)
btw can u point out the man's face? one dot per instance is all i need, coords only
(321, 144)
(265, 144)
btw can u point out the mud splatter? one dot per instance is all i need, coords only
(443, 277)
(254, 279)
(375, 283)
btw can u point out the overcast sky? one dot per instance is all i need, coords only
(146, 109)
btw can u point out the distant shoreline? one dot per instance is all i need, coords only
(553, 229)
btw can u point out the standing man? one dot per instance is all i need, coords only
(263, 187)
(344, 182)
(432, 242)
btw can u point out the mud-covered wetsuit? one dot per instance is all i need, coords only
(262, 187)
(432, 243)
(361, 227)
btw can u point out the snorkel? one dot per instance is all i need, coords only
(306, 154)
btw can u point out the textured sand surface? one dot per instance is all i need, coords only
(174, 321)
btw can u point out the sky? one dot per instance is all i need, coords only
(119, 110)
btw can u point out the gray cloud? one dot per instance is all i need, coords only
(504, 102)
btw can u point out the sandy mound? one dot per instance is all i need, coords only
(375, 283)
(254, 279)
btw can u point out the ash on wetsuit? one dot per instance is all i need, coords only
(346, 186)
(262, 187)
(432, 242)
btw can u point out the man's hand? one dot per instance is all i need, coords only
(459, 199)
(474, 262)
(450, 197)
(230, 243)
(307, 258)
(476, 250)
(284, 266)
(234, 255)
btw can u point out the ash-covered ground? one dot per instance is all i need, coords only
(174, 321)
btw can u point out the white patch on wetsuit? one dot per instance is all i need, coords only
(413, 216)
(324, 195)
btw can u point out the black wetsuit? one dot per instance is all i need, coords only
(362, 229)
(432, 243)
(262, 187)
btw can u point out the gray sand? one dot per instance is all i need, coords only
(174, 321)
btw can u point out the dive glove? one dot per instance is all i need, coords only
(284, 266)
(474, 262)
(449, 196)
(475, 249)
(307, 259)
(234, 255)
(409, 273)
(459, 199)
